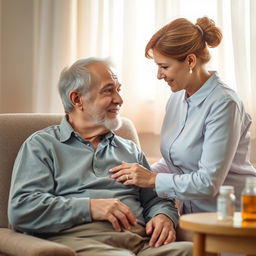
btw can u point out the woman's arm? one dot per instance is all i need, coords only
(221, 136)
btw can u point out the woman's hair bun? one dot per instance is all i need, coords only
(211, 34)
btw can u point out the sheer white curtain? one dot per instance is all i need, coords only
(66, 30)
(55, 46)
(243, 22)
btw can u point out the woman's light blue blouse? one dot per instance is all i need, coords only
(205, 144)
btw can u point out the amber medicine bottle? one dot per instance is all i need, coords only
(248, 199)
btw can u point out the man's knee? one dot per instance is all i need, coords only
(107, 253)
(184, 248)
(172, 249)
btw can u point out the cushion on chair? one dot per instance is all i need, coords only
(24, 245)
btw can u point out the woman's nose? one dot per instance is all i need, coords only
(160, 74)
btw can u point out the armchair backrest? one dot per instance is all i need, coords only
(14, 129)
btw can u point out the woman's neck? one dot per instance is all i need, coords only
(197, 81)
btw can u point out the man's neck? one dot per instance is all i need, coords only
(88, 130)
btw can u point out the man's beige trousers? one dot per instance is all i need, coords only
(100, 239)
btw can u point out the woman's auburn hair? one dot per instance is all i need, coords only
(181, 37)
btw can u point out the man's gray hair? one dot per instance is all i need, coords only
(77, 77)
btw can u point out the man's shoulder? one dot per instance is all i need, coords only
(49, 133)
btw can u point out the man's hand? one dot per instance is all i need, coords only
(114, 211)
(161, 230)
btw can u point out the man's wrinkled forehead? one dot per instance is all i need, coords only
(101, 71)
(113, 74)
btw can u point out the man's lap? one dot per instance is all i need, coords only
(99, 238)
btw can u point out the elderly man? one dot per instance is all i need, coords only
(62, 189)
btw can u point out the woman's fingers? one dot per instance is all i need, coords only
(133, 174)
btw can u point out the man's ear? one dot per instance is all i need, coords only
(191, 60)
(76, 99)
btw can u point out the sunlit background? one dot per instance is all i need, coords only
(40, 37)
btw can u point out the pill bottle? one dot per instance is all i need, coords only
(226, 203)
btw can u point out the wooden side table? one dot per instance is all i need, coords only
(215, 236)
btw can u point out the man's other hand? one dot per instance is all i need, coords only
(114, 211)
(161, 230)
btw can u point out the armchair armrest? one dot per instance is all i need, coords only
(16, 244)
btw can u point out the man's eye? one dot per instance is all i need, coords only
(108, 91)
(164, 67)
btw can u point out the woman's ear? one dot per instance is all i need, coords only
(191, 60)
(76, 99)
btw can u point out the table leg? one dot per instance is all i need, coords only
(199, 244)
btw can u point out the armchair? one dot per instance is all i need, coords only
(14, 129)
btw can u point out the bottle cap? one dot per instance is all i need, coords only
(226, 189)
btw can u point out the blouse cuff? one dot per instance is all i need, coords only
(164, 188)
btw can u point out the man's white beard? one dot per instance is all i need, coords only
(111, 124)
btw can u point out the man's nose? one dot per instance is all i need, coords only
(118, 99)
